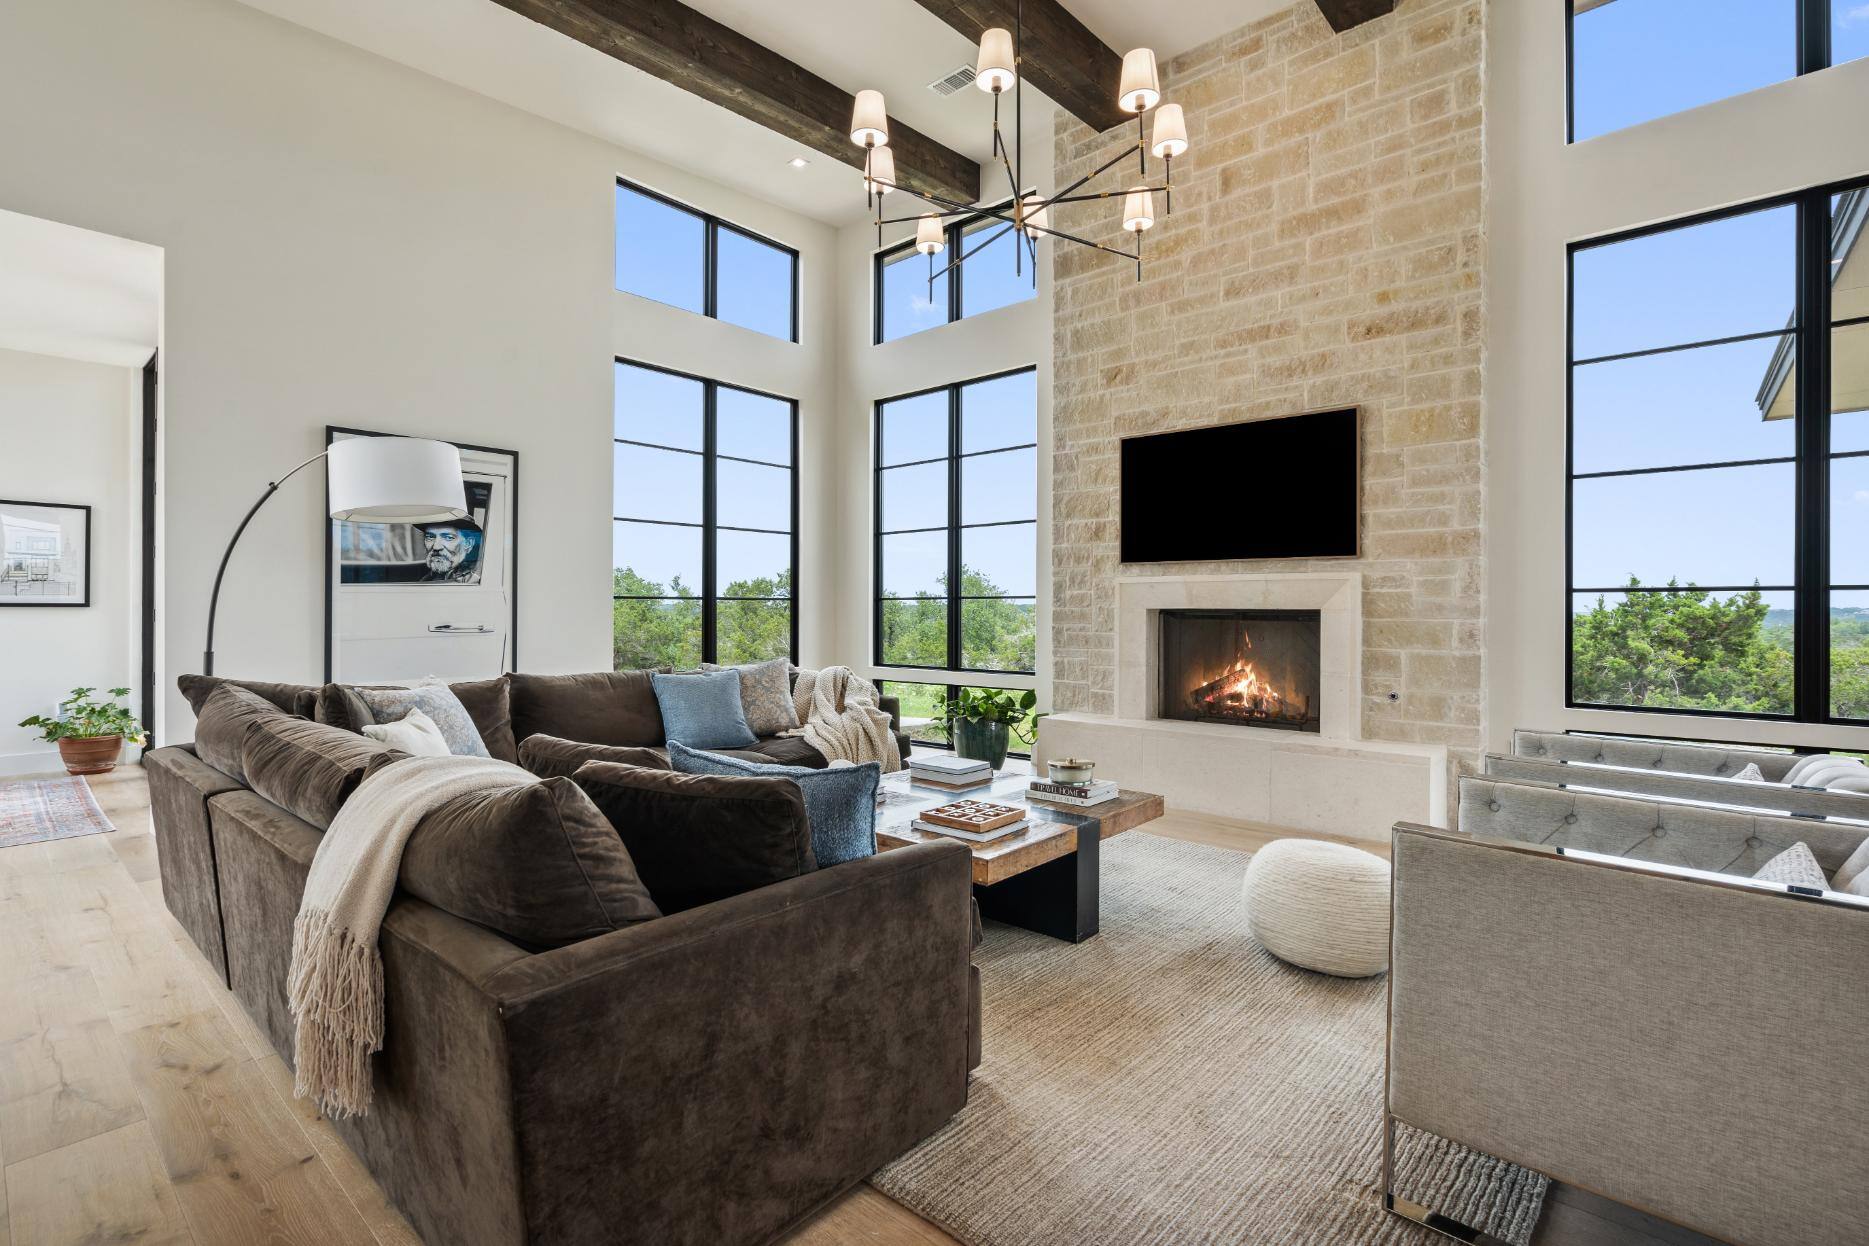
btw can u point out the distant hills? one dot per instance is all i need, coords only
(1784, 618)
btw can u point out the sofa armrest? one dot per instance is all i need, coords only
(715, 1075)
(1684, 1044)
(891, 706)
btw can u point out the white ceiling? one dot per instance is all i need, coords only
(76, 294)
(895, 46)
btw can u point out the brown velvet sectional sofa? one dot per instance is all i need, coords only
(712, 1075)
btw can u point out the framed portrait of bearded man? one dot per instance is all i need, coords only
(405, 602)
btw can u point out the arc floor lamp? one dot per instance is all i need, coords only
(372, 480)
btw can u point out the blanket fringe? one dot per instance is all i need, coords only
(335, 993)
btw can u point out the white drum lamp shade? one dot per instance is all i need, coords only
(882, 175)
(1037, 216)
(395, 480)
(1140, 87)
(1138, 210)
(929, 236)
(1171, 132)
(869, 120)
(994, 71)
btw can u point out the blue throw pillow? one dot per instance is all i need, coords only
(703, 711)
(840, 801)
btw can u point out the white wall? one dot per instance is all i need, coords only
(350, 242)
(1542, 195)
(997, 341)
(68, 433)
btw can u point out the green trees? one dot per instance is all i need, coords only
(667, 632)
(996, 635)
(1682, 648)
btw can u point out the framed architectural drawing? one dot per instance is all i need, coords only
(45, 553)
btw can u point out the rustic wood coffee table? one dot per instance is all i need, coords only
(1043, 878)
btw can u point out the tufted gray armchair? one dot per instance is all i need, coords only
(1660, 1029)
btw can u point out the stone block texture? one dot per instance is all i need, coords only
(1325, 250)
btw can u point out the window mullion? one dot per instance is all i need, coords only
(953, 525)
(1812, 655)
(709, 516)
(1813, 35)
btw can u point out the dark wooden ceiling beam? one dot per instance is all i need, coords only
(1079, 71)
(1348, 14)
(724, 67)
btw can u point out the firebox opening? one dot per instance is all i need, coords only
(1251, 668)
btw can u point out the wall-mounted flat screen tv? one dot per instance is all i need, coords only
(1284, 488)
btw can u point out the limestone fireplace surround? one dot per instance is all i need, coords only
(1332, 781)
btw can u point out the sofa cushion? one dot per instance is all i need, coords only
(704, 709)
(1855, 866)
(415, 733)
(292, 698)
(436, 700)
(840, 800)
(700, 838)
(550, 757)
(536, 863)
(221, 726)
(602, 707)
(780, 750)
(306, 768)
(486, 702)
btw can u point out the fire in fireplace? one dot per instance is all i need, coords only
(1254, 668)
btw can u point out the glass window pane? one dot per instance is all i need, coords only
(1849, 252)
(999, 486)
(752, 426)
(752, 564)
(999, 412)
(908, 305)
(1000, 561)
(752, 631)
(650, 634)
(1709, 526)
(1635, 60)
(1849, 655)
(1684, 650)
(661, 251)
(987, 279)
(915, 562)
(1706, 405)
(655, 560)
(1849, 31)
(914, 631)
(752, 495)
(921, 708)
(1849, 521)
(1849, 388)
(998, 635)
(914, 429)
(658, 407)
(656, 484)
(754, 283)
(1696, 283)
(915, 497)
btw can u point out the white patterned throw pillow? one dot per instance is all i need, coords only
(437, 701)
(765, 695)
(1794, 867)
(415, 733)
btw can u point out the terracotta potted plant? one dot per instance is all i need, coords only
(981, 722)
(89, 733)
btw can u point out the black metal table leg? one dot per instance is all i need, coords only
(1058, 898)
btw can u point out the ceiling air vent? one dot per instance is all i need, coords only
(953, 82)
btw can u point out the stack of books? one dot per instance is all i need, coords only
(977, 821)
(1080, 795)
(957, 773)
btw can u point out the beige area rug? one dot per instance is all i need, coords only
(1169, 1081)
(36, 810)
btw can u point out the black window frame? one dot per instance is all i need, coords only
(1811, 333)
(1813, 53)
(709, 525)
(954, 231)
(954, 526)
(710, 258)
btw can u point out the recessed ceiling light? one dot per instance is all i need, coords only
(798, 162)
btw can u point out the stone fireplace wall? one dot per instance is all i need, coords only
(1325, 250)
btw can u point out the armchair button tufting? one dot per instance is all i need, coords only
(1752, 841)
(1493, 805)
(1598, 757)
(1570, 819)
(1658, 832)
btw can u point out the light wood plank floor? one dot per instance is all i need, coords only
(138, 1103)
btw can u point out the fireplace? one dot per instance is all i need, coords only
(1249, 668)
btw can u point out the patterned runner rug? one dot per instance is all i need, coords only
(40, 809)
(1171, 1081)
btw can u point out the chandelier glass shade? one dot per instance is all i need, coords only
(1025, 213)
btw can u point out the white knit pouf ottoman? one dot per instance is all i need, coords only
(1320, 906)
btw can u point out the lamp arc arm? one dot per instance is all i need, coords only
(214, 599)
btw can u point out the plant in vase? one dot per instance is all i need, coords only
(89, 732)
(982, 722)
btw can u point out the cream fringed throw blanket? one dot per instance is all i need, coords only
(842, 719)
(335, 989)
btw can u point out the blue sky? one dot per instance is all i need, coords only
(1722, 279)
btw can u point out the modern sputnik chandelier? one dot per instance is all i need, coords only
(997, 71)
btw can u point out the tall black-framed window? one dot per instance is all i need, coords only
(992, 277)
(1633, 61)
(1718, 463)
(674, 254)
(956, 557)
(704, 521)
